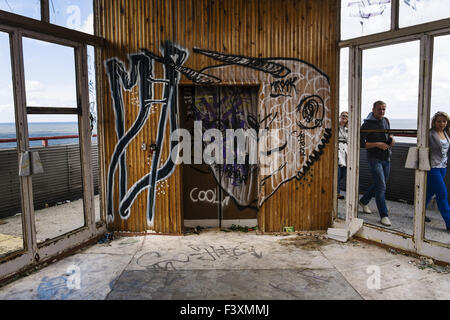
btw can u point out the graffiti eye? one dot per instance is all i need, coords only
(309, 111)
(312, 111)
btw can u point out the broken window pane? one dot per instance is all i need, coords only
(420, 11)
(364, 17)
(73, 14)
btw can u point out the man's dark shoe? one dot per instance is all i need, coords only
(427, 219)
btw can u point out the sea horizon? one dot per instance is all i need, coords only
(41, 129)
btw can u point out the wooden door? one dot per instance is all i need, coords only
(220, 194)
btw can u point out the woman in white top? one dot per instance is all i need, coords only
(342, 153)
(439, 147)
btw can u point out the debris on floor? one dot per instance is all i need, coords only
(107, 238)
(354, 243)
(427, 263)
(393, 251)
(307, 241)
(242, 228)
(195, 230)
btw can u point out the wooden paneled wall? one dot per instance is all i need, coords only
(301, 29)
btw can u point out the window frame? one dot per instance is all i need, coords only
(425, 33)
(18, 27)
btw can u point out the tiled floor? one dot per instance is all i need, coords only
(234, 265)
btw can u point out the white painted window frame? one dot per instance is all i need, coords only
(425, 33)
(32, 252)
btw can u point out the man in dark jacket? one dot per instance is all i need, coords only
(378, 145)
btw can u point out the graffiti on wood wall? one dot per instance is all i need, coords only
(293, 101)
(298, 111)
(141, 73)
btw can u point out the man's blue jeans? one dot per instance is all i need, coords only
(380, 174)
(436, 185)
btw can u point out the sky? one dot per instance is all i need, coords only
(49, 68)
(389, 73)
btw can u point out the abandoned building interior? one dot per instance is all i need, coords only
(93, 92)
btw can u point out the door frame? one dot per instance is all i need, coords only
(219, 221)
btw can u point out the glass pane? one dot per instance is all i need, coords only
(364, 17)
(27, 8)
(390, 74)
(343, 133)
(11, 231)
(58, 190)
(49, 74)
(73, 14)
(420, 11)
(438, 180)
(94, 124)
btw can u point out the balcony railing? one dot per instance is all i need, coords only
(43, 139)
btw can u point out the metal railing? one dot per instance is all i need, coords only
(43, 139)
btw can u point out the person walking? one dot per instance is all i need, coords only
(378, 145)
(439, 147)
(343, 148)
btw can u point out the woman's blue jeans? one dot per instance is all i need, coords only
(436, 185)
(380, 174)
